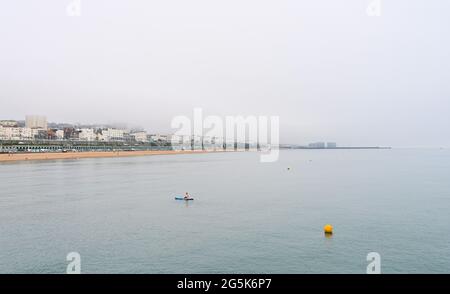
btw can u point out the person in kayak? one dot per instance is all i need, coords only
(187, 196)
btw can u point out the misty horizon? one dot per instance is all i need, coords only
(331, 72)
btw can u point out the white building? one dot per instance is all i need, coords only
(26, 134)
(35, 132)
(14, 133)
(87, 135)
(36, 122)
(2, 133)
(207, 140)
(60, 134)
(7, 133)
(175, 139)
(112, 135)
(158, 138)
(8, 123)
(140, 137)
(197, 139)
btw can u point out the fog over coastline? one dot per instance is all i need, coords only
(329, 70)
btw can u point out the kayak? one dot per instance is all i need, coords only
(182, 198)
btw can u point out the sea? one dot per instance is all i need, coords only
(247, 216)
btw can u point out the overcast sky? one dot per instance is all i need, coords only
(327, 68)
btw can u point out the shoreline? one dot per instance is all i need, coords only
(12, 157)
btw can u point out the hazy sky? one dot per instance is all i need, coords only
(330, 71)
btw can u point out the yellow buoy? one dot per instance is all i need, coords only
(328, 229)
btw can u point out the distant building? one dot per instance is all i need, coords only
(71, 134)
(209, 142)
(317, 145)
(158, 138)
(217, 142)
(5, 133)
(36, 122)
(87, 135)
(196, 139)
(331, 145)
(2, 133)
(175, 139)
(27, 134)
(8, 123)
(127, 137)
(112, 134)
(51, 134)
(60, 134)
(140, 137)
(14, 133)
(40, 134)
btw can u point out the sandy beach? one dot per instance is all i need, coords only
(78, 155)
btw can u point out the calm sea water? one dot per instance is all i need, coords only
(247, 217)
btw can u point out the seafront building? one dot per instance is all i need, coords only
(140, 136)
(8, 123)
(158, 138)
(111, 135)
(59, 134)
(87, 135)
(9, 133)
(17, 133)
(35, 134)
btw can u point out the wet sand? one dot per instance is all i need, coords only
(78, 155)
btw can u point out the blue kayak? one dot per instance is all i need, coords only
(182, 198)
